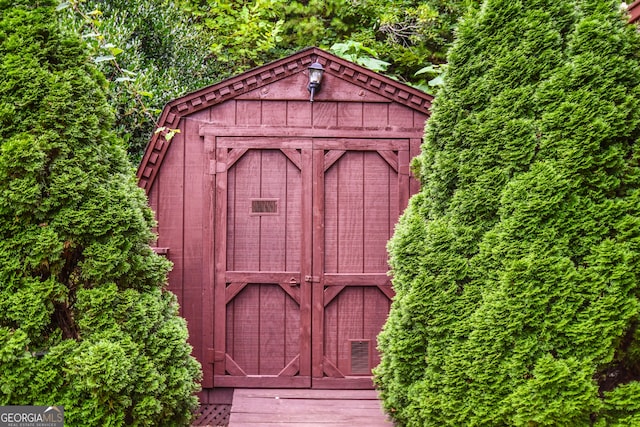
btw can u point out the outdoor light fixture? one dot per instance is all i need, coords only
(315, 77)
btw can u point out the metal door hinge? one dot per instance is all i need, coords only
(312, 279)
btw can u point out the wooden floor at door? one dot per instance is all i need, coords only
(305, 407)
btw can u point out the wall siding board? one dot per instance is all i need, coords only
(341, 90)
(414, 150)
(274, 113)
(224, 113)
(350, 114)
(170, 213)
(153, 197)
(194, 160)
(419, 120)
(399, 116)
(375, 115)
(153, 201)
(325, 114)
(299, 113)
(248, 113)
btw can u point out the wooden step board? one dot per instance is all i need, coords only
(305, 407)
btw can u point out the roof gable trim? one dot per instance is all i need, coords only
(262, 76)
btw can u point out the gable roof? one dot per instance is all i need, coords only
(267, 74)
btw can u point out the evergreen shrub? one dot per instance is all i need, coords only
(84, 319)
(517, 265)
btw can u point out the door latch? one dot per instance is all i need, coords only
(312, 279)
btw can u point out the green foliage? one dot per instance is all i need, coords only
(406, 34)
(84, 321)
(244, 32)
(516, 267)
(410, 34)
(150, 51)
(356, 52)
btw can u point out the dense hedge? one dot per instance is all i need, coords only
(84, 320)
(517, 265)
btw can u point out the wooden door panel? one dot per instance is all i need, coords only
(356, 313)
(263, 331)
(243, 328)
(362, 191)
(361, 208)
(378, 306)
(264, 241)
(301, 286)
(260, 290)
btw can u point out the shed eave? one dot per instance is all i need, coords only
(634, 11)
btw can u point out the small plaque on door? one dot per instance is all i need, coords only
(264, 206)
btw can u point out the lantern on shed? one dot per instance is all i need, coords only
(315, 78)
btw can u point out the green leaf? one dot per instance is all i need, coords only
(103, 58)
(374, 64)
(115, 51)
(437, 81)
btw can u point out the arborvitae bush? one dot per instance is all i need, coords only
(517, 265)
(84, 319)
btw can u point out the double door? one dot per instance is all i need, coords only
(300, 264)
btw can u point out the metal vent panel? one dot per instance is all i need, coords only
(360, 357)
(264, 206)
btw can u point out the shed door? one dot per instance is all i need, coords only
(301, 288)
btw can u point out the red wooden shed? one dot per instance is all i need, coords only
(276, 212)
